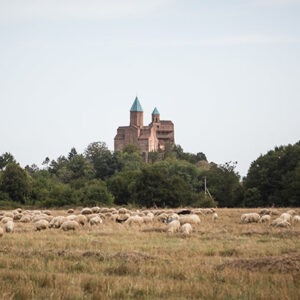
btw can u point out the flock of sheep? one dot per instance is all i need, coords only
(180, 220)
(284, 220)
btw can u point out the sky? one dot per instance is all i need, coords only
(227, 73)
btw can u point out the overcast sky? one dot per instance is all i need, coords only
(227, 73)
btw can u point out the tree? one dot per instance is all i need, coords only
(16, 183)
(72, 153)
(5, 159)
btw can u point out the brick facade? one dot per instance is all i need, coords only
(148, 138)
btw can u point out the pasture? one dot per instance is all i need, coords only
(218, 260)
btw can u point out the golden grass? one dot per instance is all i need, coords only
(222, 260)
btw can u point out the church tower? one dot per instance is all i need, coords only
(155, 116)
(136, 114)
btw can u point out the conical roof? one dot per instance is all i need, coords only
(136, 106)
(155, 111)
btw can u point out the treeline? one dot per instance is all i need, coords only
(172, 178)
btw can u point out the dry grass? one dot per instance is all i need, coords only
(222, 260)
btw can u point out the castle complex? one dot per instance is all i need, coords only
(148, 138)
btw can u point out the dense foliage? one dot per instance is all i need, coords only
(172, 178)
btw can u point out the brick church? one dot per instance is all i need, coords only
(148, 138)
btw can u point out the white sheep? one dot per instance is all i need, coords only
(96, 209)
(81, 219)
(265, 211)
(291, 212)
(214, 217)
(96, 221)
(9, 214)
(70, 211)
(148, 219)
(250, 218)
(186, 228)
(6, 219)
(9, 226)
(162, 217)
(265, 218)
(69, 225)
(56, 222)
(192, 219)
(173, 226)
(86, 211)
(41, 225)
(286, 217)
(134, 220)
(1, 232)
(26, 219)
(283, 224)
(296, 219)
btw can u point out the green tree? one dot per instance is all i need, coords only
(16, 183)
(5, 159)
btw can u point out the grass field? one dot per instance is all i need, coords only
(222, 260)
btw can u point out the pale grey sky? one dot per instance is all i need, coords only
(227, 73)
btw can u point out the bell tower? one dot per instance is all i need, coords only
(136, 114)
(155, 116)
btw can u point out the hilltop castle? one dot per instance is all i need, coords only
(148, 138)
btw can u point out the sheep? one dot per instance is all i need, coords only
(56, 222)
(6, 219)
(148, 219)
(96, 209)
(296, 219)
(114, 217)
(70, 211)
(285, 217)
(1, 232)
(291, 212)
(250, 218)
(17, 217)
(9, 226)
(265, 211)
(71, 217)
(9, 215)
(186, 229)
(95, 221)
(173, 226)
(81, 219)
(283, 224)
(86, 211)
(134, 220)
(47, 212)
(69, 225)
(41, 225)
(123, 210)
(25, 219)
(265, 218)
(207, 211)
(214, 217)
(42, 217)
(162, 217)
(192, 219)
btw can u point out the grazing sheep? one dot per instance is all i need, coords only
(56, 222)
(81, 219)
(42, 217)
(25, 219)
(286, 217)
(47, 212)
(71, 217)
(148, 219)
(186, 229)
(214, 217)
(114, 217)
(192, 219)
(291, 212)
(69, 225)
(265, 218)
(6, 219)
(9, 215)
(150, 214)
(296, 219)
(41, 225)
(162, 217)
(123, 211)
(283, 224)
(250, 218)
(9, 226)
(134, 220)
(17, 217)
(207, 211)
(96, 209)
(173, 226)
(70, 211)
(95, 221)
(265, 211)
(86, 211)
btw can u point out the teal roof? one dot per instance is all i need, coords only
(155, 111)
(136, 106)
